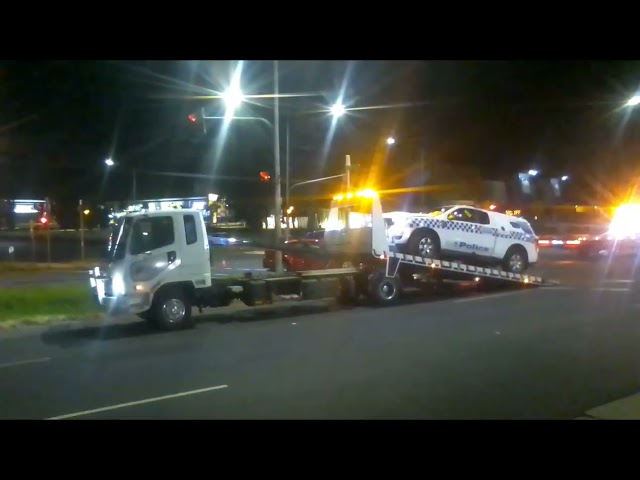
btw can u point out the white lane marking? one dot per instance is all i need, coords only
(254, 252)
(559, 288)
(611, 289)
(25, 362)
(486, 297)
(618, 281)
(137, 402)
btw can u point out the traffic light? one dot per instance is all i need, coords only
(198, 118)
(265, 177)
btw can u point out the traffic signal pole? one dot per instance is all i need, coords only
(278, 180)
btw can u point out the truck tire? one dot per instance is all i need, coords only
(172, 310)
(515, 260)
(384, 290)
(424, 243)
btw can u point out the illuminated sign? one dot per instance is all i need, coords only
(514, 213)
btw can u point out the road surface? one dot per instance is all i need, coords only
(548, 353)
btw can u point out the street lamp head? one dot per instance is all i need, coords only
(232, 97)
(564, 178)
(391, 141)
(633, 101)
(337, 110)
(109, 163)
(533, 172)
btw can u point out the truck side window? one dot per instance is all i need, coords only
(190, 230)
(151, 233)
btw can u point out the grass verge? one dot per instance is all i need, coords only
(26, 306)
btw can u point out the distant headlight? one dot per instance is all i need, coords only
(232, 240)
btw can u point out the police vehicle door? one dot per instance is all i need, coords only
(472, 233)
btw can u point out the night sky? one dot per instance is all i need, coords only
(60, 120)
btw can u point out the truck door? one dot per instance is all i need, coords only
(153, 248)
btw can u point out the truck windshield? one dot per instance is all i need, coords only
(117, 245)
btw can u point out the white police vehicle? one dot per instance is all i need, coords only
(470, 233)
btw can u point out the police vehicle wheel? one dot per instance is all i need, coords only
(384, 290)
(516, 260)
(424, 243)
(172, 310)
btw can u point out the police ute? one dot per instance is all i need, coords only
(466, 232)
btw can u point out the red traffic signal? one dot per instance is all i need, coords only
(193, 118)
(44, 220)
(264, 177)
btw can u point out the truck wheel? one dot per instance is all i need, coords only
(172, 310)
(424, 243)
(515, 260)
(384, 290)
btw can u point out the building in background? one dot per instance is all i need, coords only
(215, 209)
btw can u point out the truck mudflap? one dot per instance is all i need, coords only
(395, 259)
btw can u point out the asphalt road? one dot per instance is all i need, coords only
(546, 353)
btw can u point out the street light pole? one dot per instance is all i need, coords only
(133, 172)
(287, 169)
(286, 187)
(276, 170)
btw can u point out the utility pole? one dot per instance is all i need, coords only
(347, 170)
(81, 212)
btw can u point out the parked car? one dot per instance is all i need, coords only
(294, 258)
(224, 239)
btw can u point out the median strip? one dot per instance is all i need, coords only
(41, 305)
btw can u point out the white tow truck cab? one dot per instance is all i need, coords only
(160, 265)
(472, 234)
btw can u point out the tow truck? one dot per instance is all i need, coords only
(160, 266)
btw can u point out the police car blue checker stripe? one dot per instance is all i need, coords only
(468, 227)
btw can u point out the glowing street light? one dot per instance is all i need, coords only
(564, 178)
(533, 172)
(232, 97)
(633, 101)
(337, 110)
(109, 163)
(391, 141)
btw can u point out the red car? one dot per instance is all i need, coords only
(294, 259)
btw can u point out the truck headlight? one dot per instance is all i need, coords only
(117, 284)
